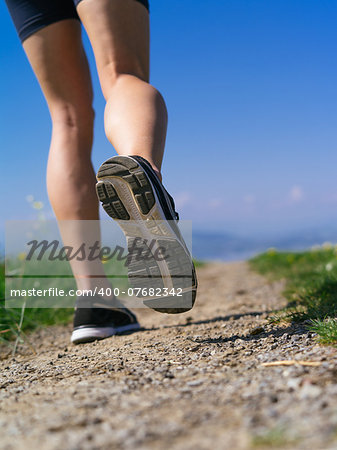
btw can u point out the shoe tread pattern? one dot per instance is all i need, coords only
(111, 202)
(144, 272)
(133, 174)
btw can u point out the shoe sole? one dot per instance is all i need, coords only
(128, 196)
(90, 334)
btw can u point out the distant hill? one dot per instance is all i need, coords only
(209, 245)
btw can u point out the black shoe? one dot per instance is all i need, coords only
(96, 318)
(130, 192)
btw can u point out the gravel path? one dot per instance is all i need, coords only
(194, 381)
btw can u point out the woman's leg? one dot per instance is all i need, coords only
(60, 65)
(135, 114)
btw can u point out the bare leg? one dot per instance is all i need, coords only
(135, 114)
(60, 65)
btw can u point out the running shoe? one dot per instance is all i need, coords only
(96, 318)
(132, 194)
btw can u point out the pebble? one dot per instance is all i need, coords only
(195, 383)
(310, 391)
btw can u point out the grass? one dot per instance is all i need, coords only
(198, 263)
(32, 318)
(273, 438)
(311, 286)
(326, 329)
(14, 322)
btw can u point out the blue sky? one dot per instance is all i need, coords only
(251, 89)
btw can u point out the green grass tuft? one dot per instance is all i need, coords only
(272, 438)
(33, 318)
(326, 330)
(198, 263)
(311, 286)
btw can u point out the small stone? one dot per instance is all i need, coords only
(241, 291)
(257, 330)
(310, 391)
(195, 383)
(293, 383)
(195, 349)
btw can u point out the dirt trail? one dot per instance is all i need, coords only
(194, 381)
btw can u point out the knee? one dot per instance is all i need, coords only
(73, 118)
